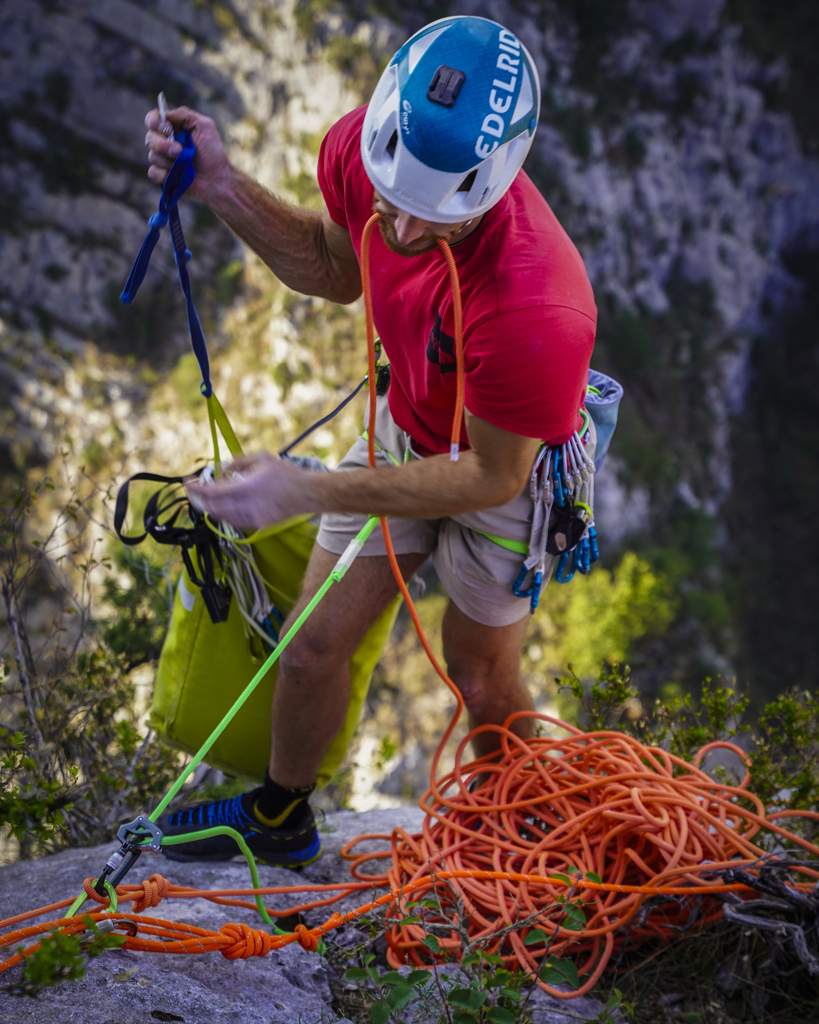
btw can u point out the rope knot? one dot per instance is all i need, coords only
(306, 938)
(154, 890)
(92, 894)
(158, 220)
(245, 942)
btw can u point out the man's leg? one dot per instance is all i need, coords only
(313, 685)
(484, 663)
(312, 693)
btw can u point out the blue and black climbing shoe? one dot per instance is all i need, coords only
(292, 845)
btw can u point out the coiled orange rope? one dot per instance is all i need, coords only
(597, 816)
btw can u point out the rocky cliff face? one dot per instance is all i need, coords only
(689, 197)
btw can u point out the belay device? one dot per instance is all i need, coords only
(233, 591)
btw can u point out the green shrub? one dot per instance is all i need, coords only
(73, 758)
(61, 958)
(599, 617)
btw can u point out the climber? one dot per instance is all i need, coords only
(438, 153)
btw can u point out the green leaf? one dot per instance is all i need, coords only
(415, 919)
(356, 974)
(368, 959)
(418, 977)
(473, 958)
(535, 937)
(465, 1017)
(379, 1013)
(510, 993)
(563, 878)
(467, 998)
(500, 1016)
(559, 972)
(374, 976)
(400, 996)
(575, 919)
(492, 958)
(572, 870)
(594, 877)
(392, 978)
(432, 943)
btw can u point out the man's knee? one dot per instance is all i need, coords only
(312, 653)
(474, 681)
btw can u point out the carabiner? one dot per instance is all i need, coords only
(561, 565)
(516, 586)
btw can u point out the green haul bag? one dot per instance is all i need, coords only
(204, 666)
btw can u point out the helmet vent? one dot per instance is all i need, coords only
(392, 144)
(468, 182)
(445, 85)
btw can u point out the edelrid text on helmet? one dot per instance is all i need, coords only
(452, 119)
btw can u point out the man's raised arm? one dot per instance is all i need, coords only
(305, 249)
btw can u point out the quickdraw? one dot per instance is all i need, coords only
(562, 490)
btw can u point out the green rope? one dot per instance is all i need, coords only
(335, 576)
(112, 896)
(224, 830)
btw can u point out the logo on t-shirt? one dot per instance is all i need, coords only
(441, 347)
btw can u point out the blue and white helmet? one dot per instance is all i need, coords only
(451, 119)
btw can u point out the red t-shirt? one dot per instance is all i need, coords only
(528, 310)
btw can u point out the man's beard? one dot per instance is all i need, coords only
(391, 241)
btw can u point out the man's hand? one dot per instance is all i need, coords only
(305, 249)
(256, 492)
(211, 164)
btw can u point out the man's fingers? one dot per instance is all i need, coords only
(183, 117)
(157, 175)
(156, 142)
(234, 513)
(208, 499)
(155, 160)
(245, 462)
(218, 498)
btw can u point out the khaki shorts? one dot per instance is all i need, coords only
(477, 573)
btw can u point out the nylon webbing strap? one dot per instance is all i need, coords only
(151, 509)
(217, 418)
(179, 180)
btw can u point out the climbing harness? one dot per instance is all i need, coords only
(636, 842)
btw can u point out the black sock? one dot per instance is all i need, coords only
(274, 805)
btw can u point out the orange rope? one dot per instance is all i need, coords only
(505, 841)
